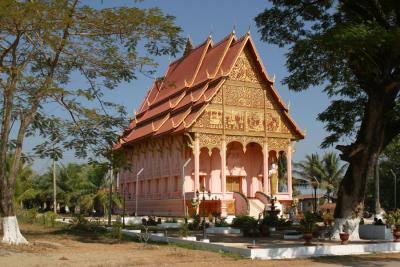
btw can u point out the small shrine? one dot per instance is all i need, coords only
(214, 123)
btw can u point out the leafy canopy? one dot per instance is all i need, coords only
(46, 45)
(352, 48)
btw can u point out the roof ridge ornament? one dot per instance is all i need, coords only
(208, 75)
(273, 78)
(186, 83)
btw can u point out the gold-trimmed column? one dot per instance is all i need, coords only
(265, 162)
(196, 162)
(223, 166)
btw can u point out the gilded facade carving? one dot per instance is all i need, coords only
(278, 144)
(243, 96)
(269, 100)
(272, 121)
(218, 97)
(234, 120)
(209, 140)
(245, 69)
(211, 119)
(284, 126)
(255, 121)
(244, 140)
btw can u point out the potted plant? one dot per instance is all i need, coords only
(344, 235)
(327, 218)
(308, 224)
(393, 218)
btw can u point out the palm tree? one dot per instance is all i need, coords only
(309, 169)
(327, 171)
(331, 173)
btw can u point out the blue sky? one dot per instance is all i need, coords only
(198, 19)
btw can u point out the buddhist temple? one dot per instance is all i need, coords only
(215, 123)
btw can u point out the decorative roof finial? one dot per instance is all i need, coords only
(273, 78)
(188, 47)
(234, 29)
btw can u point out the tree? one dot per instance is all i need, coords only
(389, 164)
(331, 173)
(309, 169)
(46, 44)
(351, 48)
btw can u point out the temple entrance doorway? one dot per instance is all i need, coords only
(234, 184)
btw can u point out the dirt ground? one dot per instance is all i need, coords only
(50, 248)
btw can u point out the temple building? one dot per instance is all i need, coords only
(214, 123)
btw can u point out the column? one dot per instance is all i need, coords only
(223, 167)
(196, 163)
(289, 168)
(265, 163)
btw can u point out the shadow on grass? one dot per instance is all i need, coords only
(359, 260)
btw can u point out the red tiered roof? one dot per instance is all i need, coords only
(174, 103)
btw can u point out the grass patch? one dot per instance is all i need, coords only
(232, 255)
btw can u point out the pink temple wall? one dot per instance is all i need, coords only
(161, 179)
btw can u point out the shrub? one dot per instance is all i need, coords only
(270, 220)
(116, 229)
(221, 223)
(171, 220)
(185, 229)
(195, 224)
(27, 215)
(244, 221)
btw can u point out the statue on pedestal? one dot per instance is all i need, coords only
(273, 174)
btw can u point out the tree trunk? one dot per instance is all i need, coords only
(11, 232)
(378, 209)
(362, 156)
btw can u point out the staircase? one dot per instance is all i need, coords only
(256, 207)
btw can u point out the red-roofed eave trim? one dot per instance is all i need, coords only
(293, 123)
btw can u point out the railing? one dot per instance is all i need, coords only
(264, 198)
(242, 205)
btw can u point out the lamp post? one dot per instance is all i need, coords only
(183, 186)
(136, 193)
(203, 192)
